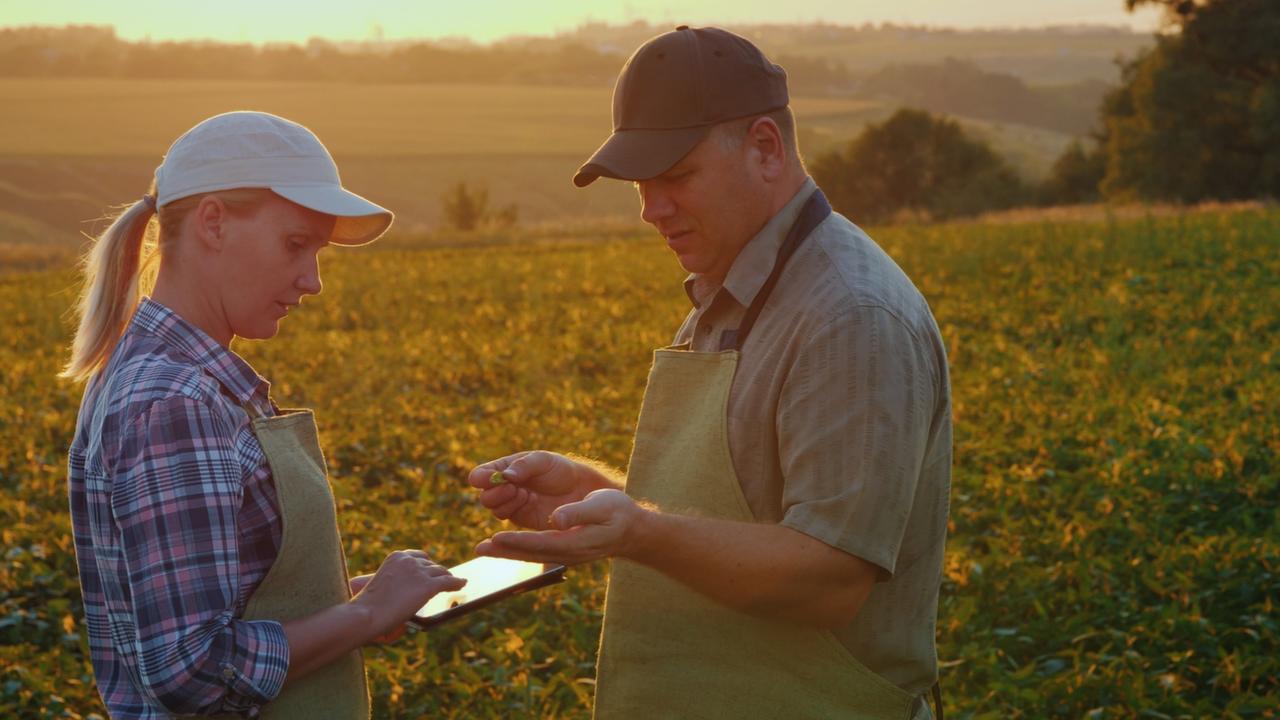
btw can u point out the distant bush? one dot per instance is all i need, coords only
(467, 209)
(917, 164)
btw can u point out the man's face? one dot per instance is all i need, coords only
(708, 205)
(270, 264)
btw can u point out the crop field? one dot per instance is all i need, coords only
(1114, 547)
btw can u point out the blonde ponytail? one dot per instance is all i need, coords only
(118, 269)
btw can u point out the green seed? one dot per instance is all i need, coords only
(497, 479)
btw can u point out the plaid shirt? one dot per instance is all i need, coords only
(176, 523)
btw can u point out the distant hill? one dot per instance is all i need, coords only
(87, 114)
(822, 59)
(1040, 56)
(958, 87)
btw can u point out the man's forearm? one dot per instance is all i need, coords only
(763, 569)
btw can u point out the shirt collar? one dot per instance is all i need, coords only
(228, 368)
(755, 261)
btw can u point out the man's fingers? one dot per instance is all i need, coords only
(547, 541)
(488, 548)
(596, 509)
(530, 465)
(480, 476)
(584, 512)
(513, 506)
(567, 547)
(498, 496)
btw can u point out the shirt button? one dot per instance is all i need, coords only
(228, 672)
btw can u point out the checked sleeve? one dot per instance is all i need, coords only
(177, 489)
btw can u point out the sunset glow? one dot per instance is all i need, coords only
(487, 20)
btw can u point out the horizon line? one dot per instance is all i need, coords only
(515, 37)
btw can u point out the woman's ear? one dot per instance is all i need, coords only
(209, 218)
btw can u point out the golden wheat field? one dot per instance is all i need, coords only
(1114, 546)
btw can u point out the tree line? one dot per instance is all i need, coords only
(96, 51)
(1196, 118)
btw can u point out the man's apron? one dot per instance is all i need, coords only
(667, 651)
(310, 571)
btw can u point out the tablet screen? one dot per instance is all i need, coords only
(488, 579)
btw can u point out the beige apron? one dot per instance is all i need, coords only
(667, 651)
(310, 571)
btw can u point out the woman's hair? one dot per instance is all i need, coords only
(120, 267)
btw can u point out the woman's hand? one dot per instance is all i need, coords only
(357, 584)
(405, 581)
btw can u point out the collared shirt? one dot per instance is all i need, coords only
(839, 420)
(175, 521)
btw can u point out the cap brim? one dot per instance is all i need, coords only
(639, 154)
(359, 221)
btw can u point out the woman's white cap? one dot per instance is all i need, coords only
(259, 150)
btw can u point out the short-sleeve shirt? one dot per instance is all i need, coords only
(839, 420)
(176, 523)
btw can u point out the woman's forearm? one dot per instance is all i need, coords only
(320, 638)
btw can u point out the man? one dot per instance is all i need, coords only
(778, 546)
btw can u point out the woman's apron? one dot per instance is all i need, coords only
(310, 571)
(667, 651)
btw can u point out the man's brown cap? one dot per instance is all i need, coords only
(670, 94)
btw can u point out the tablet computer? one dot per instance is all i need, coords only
(489, 579)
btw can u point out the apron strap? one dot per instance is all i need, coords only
(815, 210)
(254, 413)
(251, 411)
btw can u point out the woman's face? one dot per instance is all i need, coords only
(268, 263)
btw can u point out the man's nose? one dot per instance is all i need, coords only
(655, 205)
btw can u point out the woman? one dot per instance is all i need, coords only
(212, 570)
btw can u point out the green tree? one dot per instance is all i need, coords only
(1198, 116)
(916, 163)
(1075, 176)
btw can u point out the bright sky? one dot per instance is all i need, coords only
(485, 20)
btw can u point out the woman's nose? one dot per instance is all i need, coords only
(309, 281)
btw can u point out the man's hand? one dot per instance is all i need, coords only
(606, 523)
(534, 484)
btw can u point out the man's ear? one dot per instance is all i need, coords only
(766, 138)
(209, 217)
